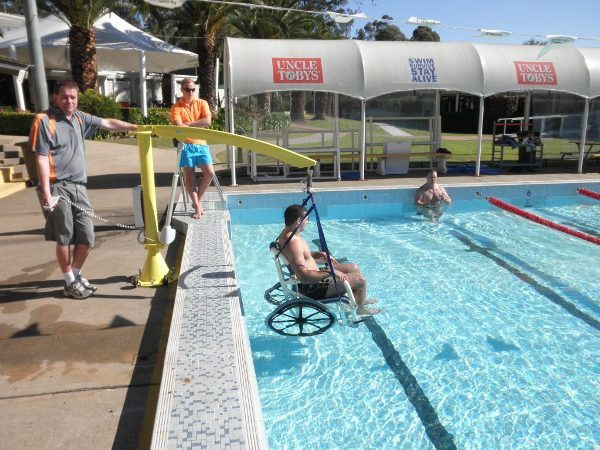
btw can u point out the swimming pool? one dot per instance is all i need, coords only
(490, 333)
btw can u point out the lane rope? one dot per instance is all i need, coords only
(542, 221)
(588, 193)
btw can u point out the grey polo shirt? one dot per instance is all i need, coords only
(62, 140)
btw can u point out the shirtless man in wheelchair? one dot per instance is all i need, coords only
(317, 283)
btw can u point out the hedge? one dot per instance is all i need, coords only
(19, 123)
(16, 123)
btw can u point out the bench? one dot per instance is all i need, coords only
(589, 154)
(283, 171)
(440, 157)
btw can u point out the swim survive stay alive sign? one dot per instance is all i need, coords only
(422, 70)
(297, 70)
(538, 73)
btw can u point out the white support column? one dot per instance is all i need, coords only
(479, 136)
(217, 82)
(584, 121)
(143, 100)
(363, 137)
(18, 80)
(229, 117)
(336, 120)
(436, 132)
(173, 89)
(527, 108)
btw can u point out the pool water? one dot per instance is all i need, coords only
(489, 338)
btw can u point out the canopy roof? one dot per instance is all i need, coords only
(116, 41)
(11, 66)
(367, 69)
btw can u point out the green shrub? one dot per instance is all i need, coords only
(156, 116)
(218, 121)
(271, 122)
(101, 106)
(16, 123)
(274, 121)
(98, 105)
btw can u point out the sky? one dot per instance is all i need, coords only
(579, 18)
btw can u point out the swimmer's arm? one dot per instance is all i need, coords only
(445, 197)
(418, 197)
(295, 255)
(323, 256)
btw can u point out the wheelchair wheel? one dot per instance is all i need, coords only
(274, 295)
(300, 318)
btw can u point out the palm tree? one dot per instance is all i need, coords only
(262, 23)
(156, 21)
(206, 22)
(80, 15)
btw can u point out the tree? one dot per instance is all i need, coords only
(262, 23)
(533, 41)
(207, 23)
(80, 15)
(424, 33)
(380, 30)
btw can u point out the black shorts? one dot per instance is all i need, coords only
(316, 291)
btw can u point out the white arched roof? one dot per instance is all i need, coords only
(117, 43)
(367, 69)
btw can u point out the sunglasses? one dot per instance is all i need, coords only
(189, 89)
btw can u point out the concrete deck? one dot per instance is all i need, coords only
(86, 374)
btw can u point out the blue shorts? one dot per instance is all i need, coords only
(194, 155)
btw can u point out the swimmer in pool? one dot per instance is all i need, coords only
(314, 282)
(430, 198)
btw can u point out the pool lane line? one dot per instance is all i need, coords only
(545, 277)
(588, 193)
(569, 221)
(437, 433)
(541, 220)
(543, 290)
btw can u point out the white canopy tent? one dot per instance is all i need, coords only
(366, 69)
(119, 46)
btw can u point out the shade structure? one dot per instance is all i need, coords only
(117, 44)
(365, 70)
(11, 66)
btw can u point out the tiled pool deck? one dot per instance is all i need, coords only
(208, 396)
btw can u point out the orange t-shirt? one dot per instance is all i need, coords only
(197, 110)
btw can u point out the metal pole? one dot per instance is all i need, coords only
(36, 56)
(479, 136)
(527, 111)
(217, 83)
(155, 271)
(229, 116)
(436, 131)
(143, 100)
(363, 136)
(173, 89)
(584, 121)
(336, 120)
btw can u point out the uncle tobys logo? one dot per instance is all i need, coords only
(539, 73)
(297, 70)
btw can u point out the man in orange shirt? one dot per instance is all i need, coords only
(194, 112)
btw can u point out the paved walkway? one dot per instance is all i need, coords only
(78, 374)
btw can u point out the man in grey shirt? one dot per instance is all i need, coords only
(57, 137)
